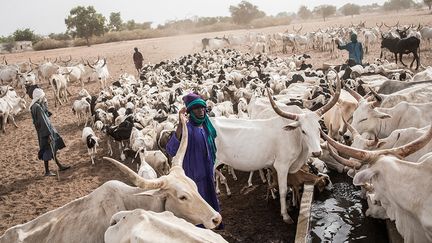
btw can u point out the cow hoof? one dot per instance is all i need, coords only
(287, 219)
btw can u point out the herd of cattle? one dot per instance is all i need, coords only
(396, 39)
(277, 115)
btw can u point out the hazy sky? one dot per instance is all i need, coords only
(47, 16)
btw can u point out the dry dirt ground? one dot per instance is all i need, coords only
(26, 194)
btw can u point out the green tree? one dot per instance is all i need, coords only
(245, 12)
(325, 10)
(304, 12)
(350, 9)
(85, 22)
(115, 21)
(131, 25)
(428, 3)
(24, 35)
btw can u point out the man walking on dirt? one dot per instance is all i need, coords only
(138, 60)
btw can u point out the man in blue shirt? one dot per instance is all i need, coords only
(354, 48)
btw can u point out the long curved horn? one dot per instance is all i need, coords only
(104, 62)
(353, 131)
(135, 178)
(387, 25)
(412, 147)
(338, 158)
(281, 113)
(353, 93)
(88, 63)
(179, 157)
(378, 98)
(362, 155)
(96, 61)
(70, 58)
(335, 98)
(32, 62)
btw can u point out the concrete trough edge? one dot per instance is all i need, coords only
(303, 222)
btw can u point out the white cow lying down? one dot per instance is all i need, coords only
(142, 226)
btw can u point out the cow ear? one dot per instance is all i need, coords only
(292, 126)
(382, 115)
(380, 144)
(363, 176)
(151, 193)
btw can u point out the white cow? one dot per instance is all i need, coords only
(58, 83)
(380, 122)
(402, 187)
(10, 105)
(267, 143)
(143, 226)
(101, 71)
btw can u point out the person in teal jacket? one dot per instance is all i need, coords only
(354, 48)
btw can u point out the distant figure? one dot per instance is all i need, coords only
(138, 60)
(49, 140)
(355, 50)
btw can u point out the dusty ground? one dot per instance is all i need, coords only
(26, 194)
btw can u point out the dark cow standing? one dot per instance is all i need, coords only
(402, 46)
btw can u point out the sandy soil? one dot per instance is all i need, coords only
(26, 194)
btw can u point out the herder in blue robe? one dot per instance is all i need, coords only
(49, 140)
(355, 50)
(201, 150)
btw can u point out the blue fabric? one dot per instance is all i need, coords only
(355, 51)
(198, 162)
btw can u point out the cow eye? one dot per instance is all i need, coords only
(183, 198)
(362, 120)
(303, 132)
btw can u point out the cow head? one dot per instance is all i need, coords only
(366, 118)
(372, 157)
(308, 122)
(179, 191)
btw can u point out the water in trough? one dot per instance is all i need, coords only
(339, 215)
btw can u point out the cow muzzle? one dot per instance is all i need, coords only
(316, 154)
(216, 220)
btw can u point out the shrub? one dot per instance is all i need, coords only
(47, 44)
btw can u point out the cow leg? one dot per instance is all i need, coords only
(250, 178)
(282, 174)
(109, 146)
(11, 118)
(417, 59)
(223, 181)
(232, 172)
(395, 57)
(262, 175)
(5, 117)
(91, 155)
(400, 59)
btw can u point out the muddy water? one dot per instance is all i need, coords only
(339, 215)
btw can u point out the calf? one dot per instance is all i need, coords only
(90, 139)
